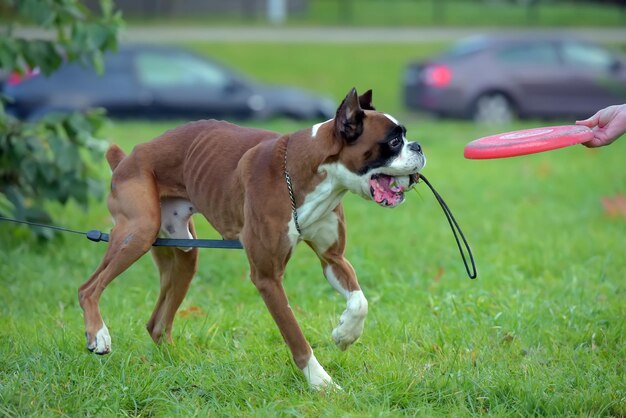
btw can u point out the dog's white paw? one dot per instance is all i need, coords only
(351, 321)
(102, 343)
(317, 377)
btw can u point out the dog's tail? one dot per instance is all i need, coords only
(114, 155)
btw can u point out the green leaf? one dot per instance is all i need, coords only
(74, 11)
(29, 170)
(14, 195)
(57, 145)
(39, 215)
(7, 54)
(68, 160)
(52, 159)
(80, 191)
(6, 207)
(35, 214)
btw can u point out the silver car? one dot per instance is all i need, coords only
(496, 78)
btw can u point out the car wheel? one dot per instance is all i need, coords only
(493, 109)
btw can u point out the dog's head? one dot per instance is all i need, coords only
(380, 163)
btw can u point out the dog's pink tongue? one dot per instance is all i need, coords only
(386, 188)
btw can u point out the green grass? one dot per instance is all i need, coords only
(540, 333)
(422, 13)
(330, 69)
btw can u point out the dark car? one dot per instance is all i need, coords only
(161, 82)
(496, 78)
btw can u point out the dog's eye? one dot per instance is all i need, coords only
(395, 142)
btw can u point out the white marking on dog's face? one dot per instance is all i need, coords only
(370, 155)
(317, 376)
(407, 161)
(380, 163)
(391, 118)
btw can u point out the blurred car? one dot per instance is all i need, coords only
(493, 79)
(160, 82)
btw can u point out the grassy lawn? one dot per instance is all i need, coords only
(541, 332)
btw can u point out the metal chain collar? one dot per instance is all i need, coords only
(291, 194)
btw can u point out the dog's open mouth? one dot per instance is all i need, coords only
(388, 190)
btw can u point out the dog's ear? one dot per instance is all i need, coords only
(349, 118)
(365, 100)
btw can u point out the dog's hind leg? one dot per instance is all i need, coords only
(329, 246)
(134, 205)
(176, 267)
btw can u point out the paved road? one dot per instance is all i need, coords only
(337, 34)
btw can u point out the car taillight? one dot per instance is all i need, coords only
(16, 78)
(437, 75)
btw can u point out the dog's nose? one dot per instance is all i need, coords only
(415, 147)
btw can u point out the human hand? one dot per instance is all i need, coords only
(607, 125)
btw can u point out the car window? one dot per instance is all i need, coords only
(467, 47)
(587, 56)
(178, 70)
(529, 54)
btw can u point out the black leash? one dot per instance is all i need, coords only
(453, 224)
(97, 236)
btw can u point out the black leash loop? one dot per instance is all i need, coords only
(97, 236)
(453, 224)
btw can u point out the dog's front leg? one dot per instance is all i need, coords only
(341, 276)
(329, 245)
(266, 272)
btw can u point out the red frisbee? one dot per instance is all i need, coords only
(527, 141)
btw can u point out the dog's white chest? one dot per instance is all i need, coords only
(316, 217)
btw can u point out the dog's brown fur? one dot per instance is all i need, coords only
(235, 177)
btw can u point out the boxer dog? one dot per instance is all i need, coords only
(268, 190)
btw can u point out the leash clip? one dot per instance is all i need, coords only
(97, 236)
